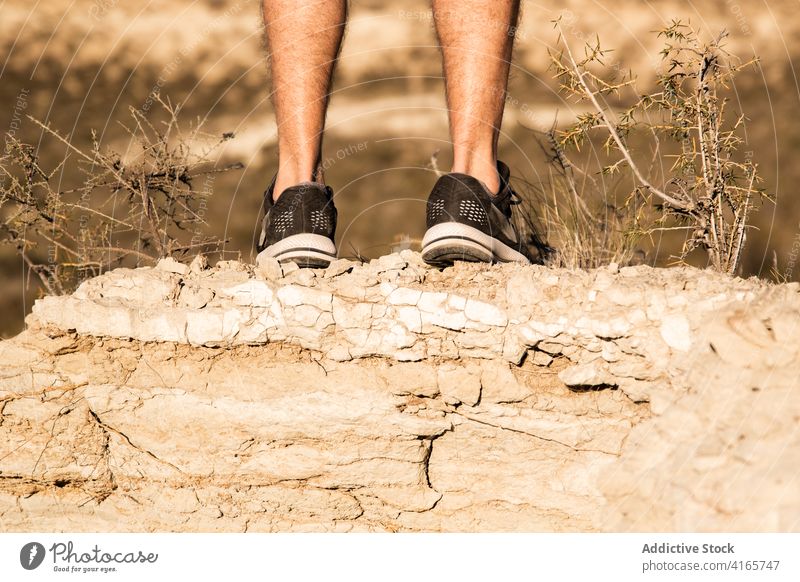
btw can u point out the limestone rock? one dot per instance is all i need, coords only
(393, 396)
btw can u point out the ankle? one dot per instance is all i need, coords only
(293, 175)
(483, 169)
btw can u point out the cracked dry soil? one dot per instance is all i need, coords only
(124, 435)
(393, 397)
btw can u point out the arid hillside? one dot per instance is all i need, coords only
(81, 65)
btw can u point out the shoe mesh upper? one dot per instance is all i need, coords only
(472, 211)
(284, 221)
(320, 220)
(304, 209)
(435, 209)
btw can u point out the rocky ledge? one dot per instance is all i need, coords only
(393, 396)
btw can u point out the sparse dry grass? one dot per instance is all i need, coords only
(122, 210)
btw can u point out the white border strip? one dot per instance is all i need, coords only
(406, 557)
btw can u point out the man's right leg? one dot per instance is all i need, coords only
(469, 210)
(303, 41)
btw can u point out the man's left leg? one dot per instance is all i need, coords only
(477, 38)
(469, 210)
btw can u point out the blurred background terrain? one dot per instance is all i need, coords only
(81, 65)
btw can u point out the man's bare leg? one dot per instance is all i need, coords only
(468, 214)
(477, 38)
(303, 40)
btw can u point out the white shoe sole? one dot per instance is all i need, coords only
(453, 241)
(307, 250)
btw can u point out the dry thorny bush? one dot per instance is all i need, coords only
(124, 210)
(709, 189)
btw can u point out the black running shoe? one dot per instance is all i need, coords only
(466, 223)
(300, 226)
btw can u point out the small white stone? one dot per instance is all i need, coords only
(483, 342)
(655, 311)
(303, 277)
(388, 263)
(542, 358)
(615, 327)
(253, 292)
(551, 348)
(432, 301)
(268, 267)
(545, 329)
(449, 320)
(456, 302)
(637, 317)
(530, 336)
(232, 320)
(610, 352)
(253, 332)
(410, 355)
(513, 351)
(550, 280)
(276, 312)
(590, 374)
(675, 331)
(170, 265)
(485, 313)
(338, 267)
(195, 297)
(404, 296)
